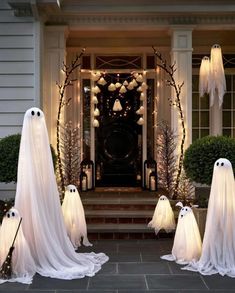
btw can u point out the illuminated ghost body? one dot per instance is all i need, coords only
(74, 217)
(187, 242)
(37, 198)
(218, 248)
(163, 217)
(23, 266)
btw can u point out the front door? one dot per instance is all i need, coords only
(118, 138)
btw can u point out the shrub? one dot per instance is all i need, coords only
(9, 153)
(201, 155)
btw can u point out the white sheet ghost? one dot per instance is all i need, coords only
(74, 217)
(37, 198)
(23, 266)
(218, 248)
(163, 217)
(187, 242)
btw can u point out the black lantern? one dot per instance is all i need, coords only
(87, 167)
(83, 181)
(150, 165)
(153, 181)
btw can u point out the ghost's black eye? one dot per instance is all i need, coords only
(71, 190)
(181, 216)
(186, 209)
(32, 112)
(74, 190)
(13, 214)
(217, 164)
(222, 164)
(38, 113)
(8, 215)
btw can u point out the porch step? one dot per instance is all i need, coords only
(119, 214)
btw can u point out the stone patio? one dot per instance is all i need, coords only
(134, 266)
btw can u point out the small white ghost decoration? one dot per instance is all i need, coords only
(117, 106)
(95, 100)
(163, 217)
(142, 96)
(139, 78)
(96, 123)
(112, 87)
(95, 75)
(140, 111)
(140, 121)
(102, 81)
(218, 253)
(74, 217)
(96, 112)
(187, 242)
(134, 82)
(125, 83)
(118, 85)
(23, 265)
(123, 89)
(96, 90)
(130, 86)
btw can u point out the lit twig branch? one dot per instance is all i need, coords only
(68, 81)
(170, 70)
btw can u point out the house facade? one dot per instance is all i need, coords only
(36, 37)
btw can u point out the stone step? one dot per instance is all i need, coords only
(119, 201)
(118, 213)
(118, 228)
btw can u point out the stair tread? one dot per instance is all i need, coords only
(113, 200)
(119, 228)
(119, 213)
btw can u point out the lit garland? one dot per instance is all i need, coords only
(176, 101)
(115, 85)
(68, 81)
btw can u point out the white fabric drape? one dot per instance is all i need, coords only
(217, 82)
(204, 76)
(37, 200)
(187, 242)
(163, 217)
(218, 248)
(23, 266)
(74, 217)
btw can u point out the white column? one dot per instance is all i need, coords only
(54, 55)
(182, 56)
(215, 119)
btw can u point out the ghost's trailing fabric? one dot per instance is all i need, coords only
(163, 217)
(74, 217)
(37, 199)
(23, 266)
(187, 241)
(218, 248)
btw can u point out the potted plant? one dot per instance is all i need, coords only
(198, 163)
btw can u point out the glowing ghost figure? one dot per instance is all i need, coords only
(163, 217)
(218, 253)
(23, 266)
(187, 242)
(74, 217)
(37, 198)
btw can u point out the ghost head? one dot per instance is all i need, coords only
(74, 217)
(23, 265)
(163, 217)
(187, 241)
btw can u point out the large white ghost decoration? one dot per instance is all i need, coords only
(37, 198)
(218, 248)
(74, 217)
(163, 217)
(23, 266)
(187, 242)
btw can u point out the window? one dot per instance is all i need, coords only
(228, 126)
(200, 112)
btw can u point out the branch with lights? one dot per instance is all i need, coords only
(133, 82)
(174, 101)
(67, 71)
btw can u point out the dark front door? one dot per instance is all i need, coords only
(118, 152)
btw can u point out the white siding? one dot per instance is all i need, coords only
(18, 81)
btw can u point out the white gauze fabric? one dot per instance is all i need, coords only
(187, 242)
(37, 200)
(23, 266)
(163, 217)
(218, 248)
(74, 217)
(204, 76)
(217, 81)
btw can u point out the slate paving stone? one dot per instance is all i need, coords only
(126, 257)
(151, 257)
(216, 282)
(13, 286)
(175, 282)
(117, 282)
(108, 269)
(85, 291)
(43, 283)
(25, 291)
(143, 268)
(175, 269)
